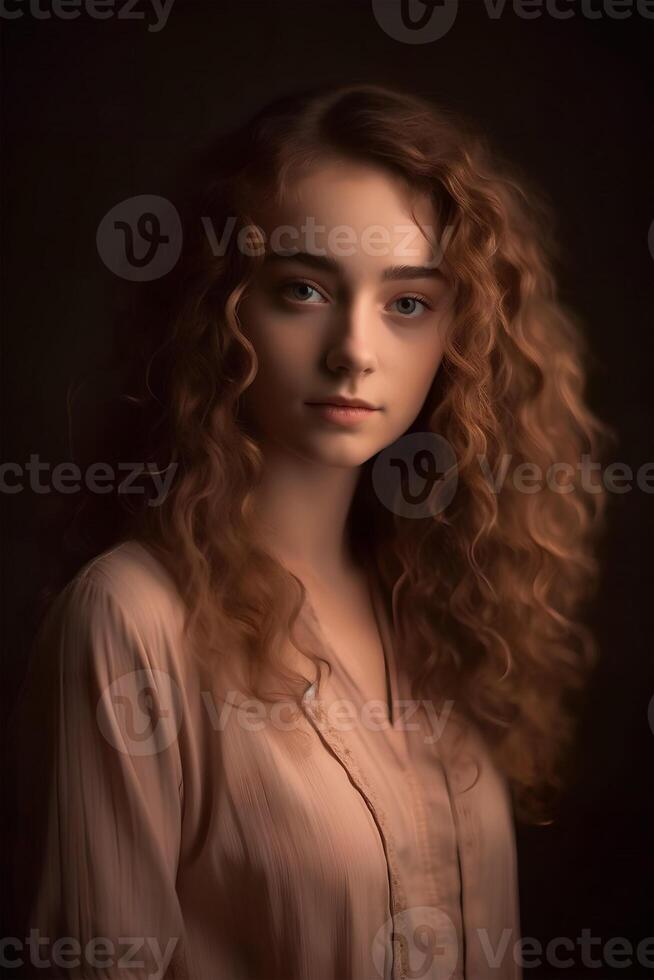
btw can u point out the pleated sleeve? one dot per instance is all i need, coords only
(97, 783)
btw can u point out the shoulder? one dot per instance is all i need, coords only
(122, 603)
(135, 581)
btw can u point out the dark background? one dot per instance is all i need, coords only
(96, 111)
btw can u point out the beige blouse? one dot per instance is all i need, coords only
(177, 834)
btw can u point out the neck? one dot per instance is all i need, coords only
(302, 509)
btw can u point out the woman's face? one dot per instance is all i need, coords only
(351, 301)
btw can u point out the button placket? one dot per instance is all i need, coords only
(397, 897)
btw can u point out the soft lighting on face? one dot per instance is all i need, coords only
(351, 320)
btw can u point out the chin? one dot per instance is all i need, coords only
(343, 450)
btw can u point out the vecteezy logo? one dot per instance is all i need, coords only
(408, 475)
(415, 21)
(140, 713)
(141, 238)
(423, 940)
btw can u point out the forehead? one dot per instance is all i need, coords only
(360, 214)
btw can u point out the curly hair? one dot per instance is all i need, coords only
(486, 595)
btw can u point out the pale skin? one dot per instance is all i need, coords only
(354, 329)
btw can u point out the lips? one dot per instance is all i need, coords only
(342, 413)
(341, 402)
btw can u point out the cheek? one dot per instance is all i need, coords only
(287, 352)
(286, 361)
(413, 373)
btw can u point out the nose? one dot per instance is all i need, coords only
(351, 344)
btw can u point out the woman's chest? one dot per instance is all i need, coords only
(336, 834)
(321, 821)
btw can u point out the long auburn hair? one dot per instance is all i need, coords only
(486, 595)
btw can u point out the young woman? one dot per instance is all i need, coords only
(288, 714)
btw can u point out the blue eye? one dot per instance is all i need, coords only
(412, 310)
(303, 292)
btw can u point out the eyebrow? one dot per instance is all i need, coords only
(328, 264)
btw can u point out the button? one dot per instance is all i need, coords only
(310, 692)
